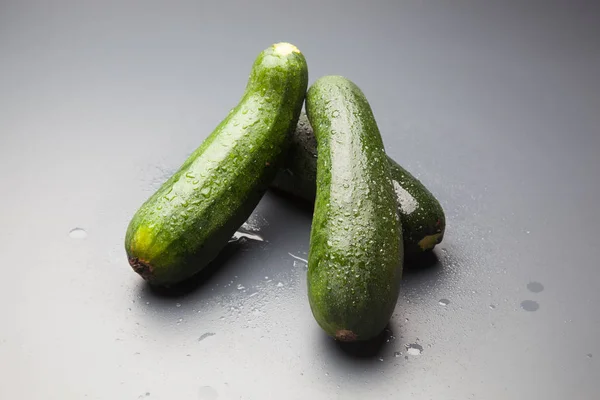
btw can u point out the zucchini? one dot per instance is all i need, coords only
(356, 251)
(191, 217)
(422, 216)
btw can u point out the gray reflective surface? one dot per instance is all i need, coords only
(494, 106)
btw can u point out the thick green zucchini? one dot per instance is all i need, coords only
(185, 224)
(356, 252)
(422, 216)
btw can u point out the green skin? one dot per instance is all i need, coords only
(422, 216)
(184, 225)
(356, 252)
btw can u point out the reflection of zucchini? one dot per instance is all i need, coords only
(355, 259)
(422, 216)
(185, 224)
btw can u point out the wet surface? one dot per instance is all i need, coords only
(493, 107)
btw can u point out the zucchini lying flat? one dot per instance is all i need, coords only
(185, 224)
(422, 216)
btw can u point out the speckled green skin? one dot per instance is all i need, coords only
(422, 216)
(185, 224)
(356, 253)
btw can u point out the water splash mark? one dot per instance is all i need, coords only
(535, 287)
(77, 233)
(207, 393)
(254, 223)
(239, 235)
(298, 258)
(206, 335)
(414, 349)
(530, 305)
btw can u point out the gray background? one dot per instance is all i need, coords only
(494, 105)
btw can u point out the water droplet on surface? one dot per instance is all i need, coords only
(589, 355)
(206, 335)
(397, 354)
(444, 302)
(530, 305)
(78, 233)
(414, 349)
(380, 358)
(300, 264)
(298, 258)
(207, 393)
(535, 287)
(245, 235)
(492, 307)
(178, 305)
(240, 287)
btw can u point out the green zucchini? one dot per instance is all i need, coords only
(191, 217)
(356, 251)
(422, 216)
